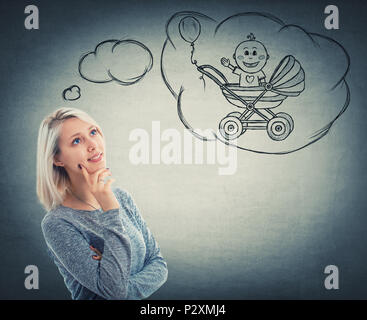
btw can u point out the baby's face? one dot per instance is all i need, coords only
(251, 56)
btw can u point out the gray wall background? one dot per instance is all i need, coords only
(266, 232)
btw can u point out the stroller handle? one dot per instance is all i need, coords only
(202, 70)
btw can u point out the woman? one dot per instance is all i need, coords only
(85, 215)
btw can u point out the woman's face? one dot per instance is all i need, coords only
(80, 142)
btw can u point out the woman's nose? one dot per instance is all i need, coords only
(91, 145)
(91, 148)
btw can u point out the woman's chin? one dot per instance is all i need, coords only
(93, 167)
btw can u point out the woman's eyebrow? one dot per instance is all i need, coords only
(78, 133)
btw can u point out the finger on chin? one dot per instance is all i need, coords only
(84, 169)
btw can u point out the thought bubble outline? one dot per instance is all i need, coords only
(108, 71)
(65, 92)
(317, 134)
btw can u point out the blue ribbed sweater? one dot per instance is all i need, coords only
(132, 266)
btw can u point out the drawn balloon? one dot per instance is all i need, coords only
(190, 29)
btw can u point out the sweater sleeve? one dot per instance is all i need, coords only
(108, 277)
(154, 273)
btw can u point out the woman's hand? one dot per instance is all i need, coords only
(99, 254)
(100, 190)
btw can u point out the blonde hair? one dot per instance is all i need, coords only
(52, 181)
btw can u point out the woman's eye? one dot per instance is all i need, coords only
(93, 132)
(254, 53)
(77, 139)
(246, 53)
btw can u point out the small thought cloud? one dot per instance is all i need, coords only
(123, 61)
(72, 93)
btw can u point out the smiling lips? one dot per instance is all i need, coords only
(251, 65)
(96, 158)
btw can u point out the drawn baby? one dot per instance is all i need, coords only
(251, 57)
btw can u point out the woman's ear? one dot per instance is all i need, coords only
(57, 162)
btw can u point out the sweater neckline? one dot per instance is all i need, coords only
(81, 210)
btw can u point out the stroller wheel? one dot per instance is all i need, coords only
(278, 128)
(286, 116)
(237, 115)
(234, 114)
(230, 127)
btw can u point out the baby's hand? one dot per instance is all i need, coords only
(224, 61)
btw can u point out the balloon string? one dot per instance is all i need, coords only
(193, 61)
(202, 78)
(192, 54)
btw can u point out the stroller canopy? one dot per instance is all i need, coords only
(288, 78)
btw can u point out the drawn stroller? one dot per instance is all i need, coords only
(287, 80)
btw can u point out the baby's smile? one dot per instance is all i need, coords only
(250, 65)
